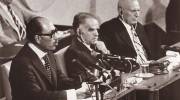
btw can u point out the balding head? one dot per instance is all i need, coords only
(126, 4)
(81, 17)
(123, 3)
(38, 25)
(42, 33)
(129, 10)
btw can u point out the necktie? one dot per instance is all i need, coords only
(21, 28)
(141, 54)
(47, 66)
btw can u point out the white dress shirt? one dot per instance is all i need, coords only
(38, 52)
(138, 58)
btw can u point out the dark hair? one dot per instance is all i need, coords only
(34, 27)
(80, 18)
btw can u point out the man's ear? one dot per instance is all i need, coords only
(120, 11)
(78, 31)
(37, 38)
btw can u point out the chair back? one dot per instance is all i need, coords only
(60, 60)
(6, 88)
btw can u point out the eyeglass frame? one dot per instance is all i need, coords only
(53, 32)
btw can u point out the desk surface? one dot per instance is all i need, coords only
(156, 82)
(114, 95)
(159, 81)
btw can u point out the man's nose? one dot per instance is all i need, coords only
(96, 33)
(137, 13)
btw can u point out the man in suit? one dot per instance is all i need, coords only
(80, 57)
(34, 74)
(119, 33)
(12, 22)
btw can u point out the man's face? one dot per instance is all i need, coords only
(88, 31)
(131, 12)
(48, 39)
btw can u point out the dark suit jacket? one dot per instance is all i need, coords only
(172, 16)
(78, 51)
(117, 39)
(29, 80)
(173, 22)
(8, 30)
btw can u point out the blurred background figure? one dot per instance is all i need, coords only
(155, 12)
(12, 23)
(173, 22)
(155, 27)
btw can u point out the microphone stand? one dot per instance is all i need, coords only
(96, 83)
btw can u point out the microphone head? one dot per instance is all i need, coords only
(108, 56)
(114, 57)
(165, 47)
(74, 60)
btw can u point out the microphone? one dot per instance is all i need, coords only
(113, 57)
(96, 66)
(97, 81)
(82, 65)
(176, 49)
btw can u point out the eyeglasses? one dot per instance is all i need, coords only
(51, 35)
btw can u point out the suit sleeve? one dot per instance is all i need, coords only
(77, 71)
(24, 83)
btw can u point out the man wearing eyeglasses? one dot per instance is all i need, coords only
(124, 35)
(33, 74)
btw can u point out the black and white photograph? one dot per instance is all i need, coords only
(89, 49)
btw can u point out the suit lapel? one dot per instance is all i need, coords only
(84, 52)
(123, 33)
(81, 46)
(38, 64)
(143, 38)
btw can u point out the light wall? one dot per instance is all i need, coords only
(62, 11)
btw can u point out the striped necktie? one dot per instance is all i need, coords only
(47, 66)
(141, 53)
(21, 28)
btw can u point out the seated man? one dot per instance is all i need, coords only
(33, 73)
(80, 57)
(124, 35)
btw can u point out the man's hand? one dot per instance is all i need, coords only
(101, 47)
(83, 92)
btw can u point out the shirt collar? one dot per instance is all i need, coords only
(38, 52)
(85, 44)
(88, 46)
(128, 27)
